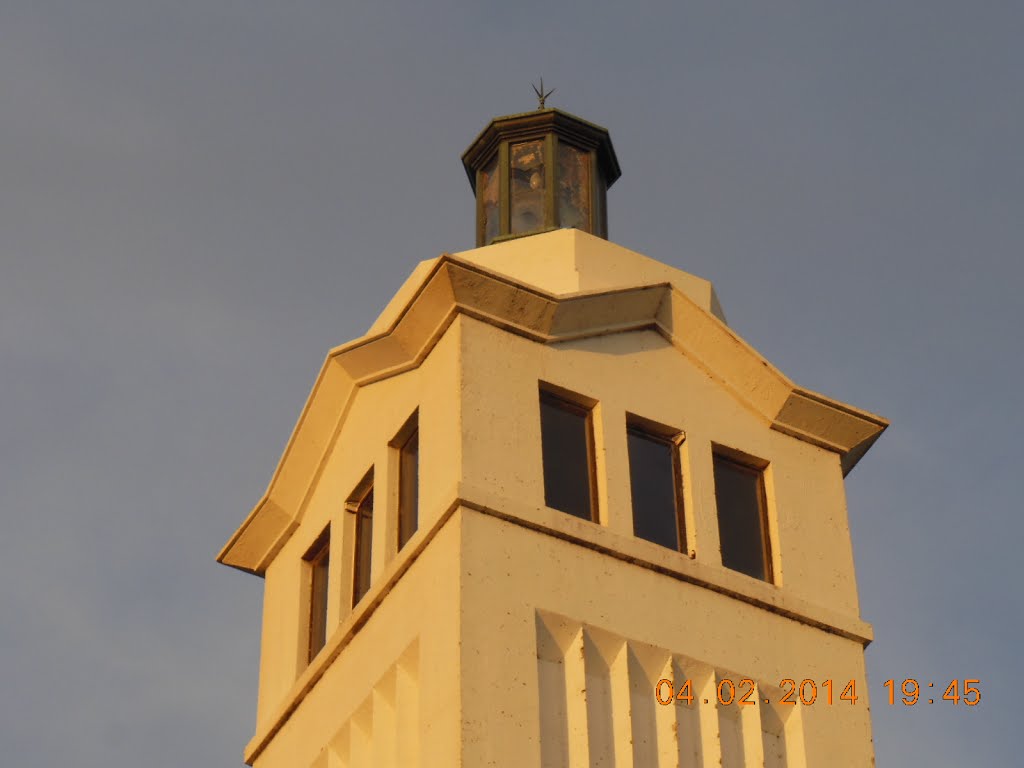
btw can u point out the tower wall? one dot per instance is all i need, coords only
(389, 697)
(566, 645)
(508, 633)
(642, 374)
(375, 414)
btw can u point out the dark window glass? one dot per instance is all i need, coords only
(742, 527)
(567, 442)
(319, 565)
(408, 487)
(655, 483)
(363, 548)
(527, 186)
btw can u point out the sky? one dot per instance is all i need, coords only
(199, 198)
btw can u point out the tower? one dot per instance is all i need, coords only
(552, 511)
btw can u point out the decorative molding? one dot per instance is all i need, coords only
(453, 287)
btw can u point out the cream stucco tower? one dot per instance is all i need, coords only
(547, 491)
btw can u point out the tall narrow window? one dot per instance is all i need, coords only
(318, 565)
(656, 484)
(361, 505)
(408, 444)
(567, 444)
(742, 517)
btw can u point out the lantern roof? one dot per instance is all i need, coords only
(526, 125)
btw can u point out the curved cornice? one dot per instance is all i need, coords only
(454, 287)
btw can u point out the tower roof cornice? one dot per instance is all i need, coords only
(451, 286)
(529, 124)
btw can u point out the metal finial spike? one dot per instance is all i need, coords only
(541, 95)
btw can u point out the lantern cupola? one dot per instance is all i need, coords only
(538, 171)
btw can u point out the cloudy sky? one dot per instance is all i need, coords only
(199, 198)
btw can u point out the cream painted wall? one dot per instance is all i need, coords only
(515, 581)
(375, 416)
(642, 374)
(509, 634)
(392, 690)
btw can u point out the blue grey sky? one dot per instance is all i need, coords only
(199, 198)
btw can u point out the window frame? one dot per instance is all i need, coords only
(316, 562)
(355, 505)
(674, 439)
(578, 405)
(399, 443)
(756, 467)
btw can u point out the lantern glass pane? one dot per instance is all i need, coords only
(488, 190)
(573, 187)
(527, 161)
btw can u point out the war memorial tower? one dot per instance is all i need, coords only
(552, 512)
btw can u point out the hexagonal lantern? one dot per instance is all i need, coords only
(539, 171)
